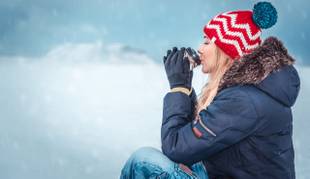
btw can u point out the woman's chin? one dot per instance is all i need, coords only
(204, 70)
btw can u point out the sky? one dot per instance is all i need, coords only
(32, 28)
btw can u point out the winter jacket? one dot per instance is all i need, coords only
(246, 131)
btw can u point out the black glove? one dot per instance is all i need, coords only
(178, 69)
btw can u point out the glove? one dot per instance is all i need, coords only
(178, 69)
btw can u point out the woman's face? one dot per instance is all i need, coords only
(208, 56)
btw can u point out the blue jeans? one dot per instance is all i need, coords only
(148, 162)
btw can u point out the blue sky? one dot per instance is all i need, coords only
(33, 27)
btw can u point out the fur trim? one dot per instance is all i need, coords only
(253, 68)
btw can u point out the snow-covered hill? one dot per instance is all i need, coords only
(65, 118)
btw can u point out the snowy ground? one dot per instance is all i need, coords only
(63, 119)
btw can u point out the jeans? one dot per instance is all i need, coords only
(148, 162)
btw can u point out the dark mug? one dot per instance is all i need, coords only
(193, 58)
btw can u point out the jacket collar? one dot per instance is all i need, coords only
(253, 68)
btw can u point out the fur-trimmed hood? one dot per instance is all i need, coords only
(270, 68)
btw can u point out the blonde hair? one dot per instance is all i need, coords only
(209, 91)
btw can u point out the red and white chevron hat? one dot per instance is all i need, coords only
(238, 32)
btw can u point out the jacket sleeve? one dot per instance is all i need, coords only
(228, 119)
(193, 98)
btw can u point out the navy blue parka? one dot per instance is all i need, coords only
(246, 131)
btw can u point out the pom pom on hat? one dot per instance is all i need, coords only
(238, 32)
(264, 15)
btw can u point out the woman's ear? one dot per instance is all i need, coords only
(222, 53)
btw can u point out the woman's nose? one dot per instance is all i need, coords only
(200, 50)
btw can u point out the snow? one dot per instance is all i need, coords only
(82, 118)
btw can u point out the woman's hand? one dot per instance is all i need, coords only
(178, 69)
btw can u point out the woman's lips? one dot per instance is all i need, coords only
(201, 61)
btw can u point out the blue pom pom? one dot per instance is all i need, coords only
(264, 15)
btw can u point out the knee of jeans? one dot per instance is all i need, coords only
(144, 154)
(151, 155)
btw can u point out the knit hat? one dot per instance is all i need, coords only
(238, 32)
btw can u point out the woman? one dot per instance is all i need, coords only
(241, 124)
